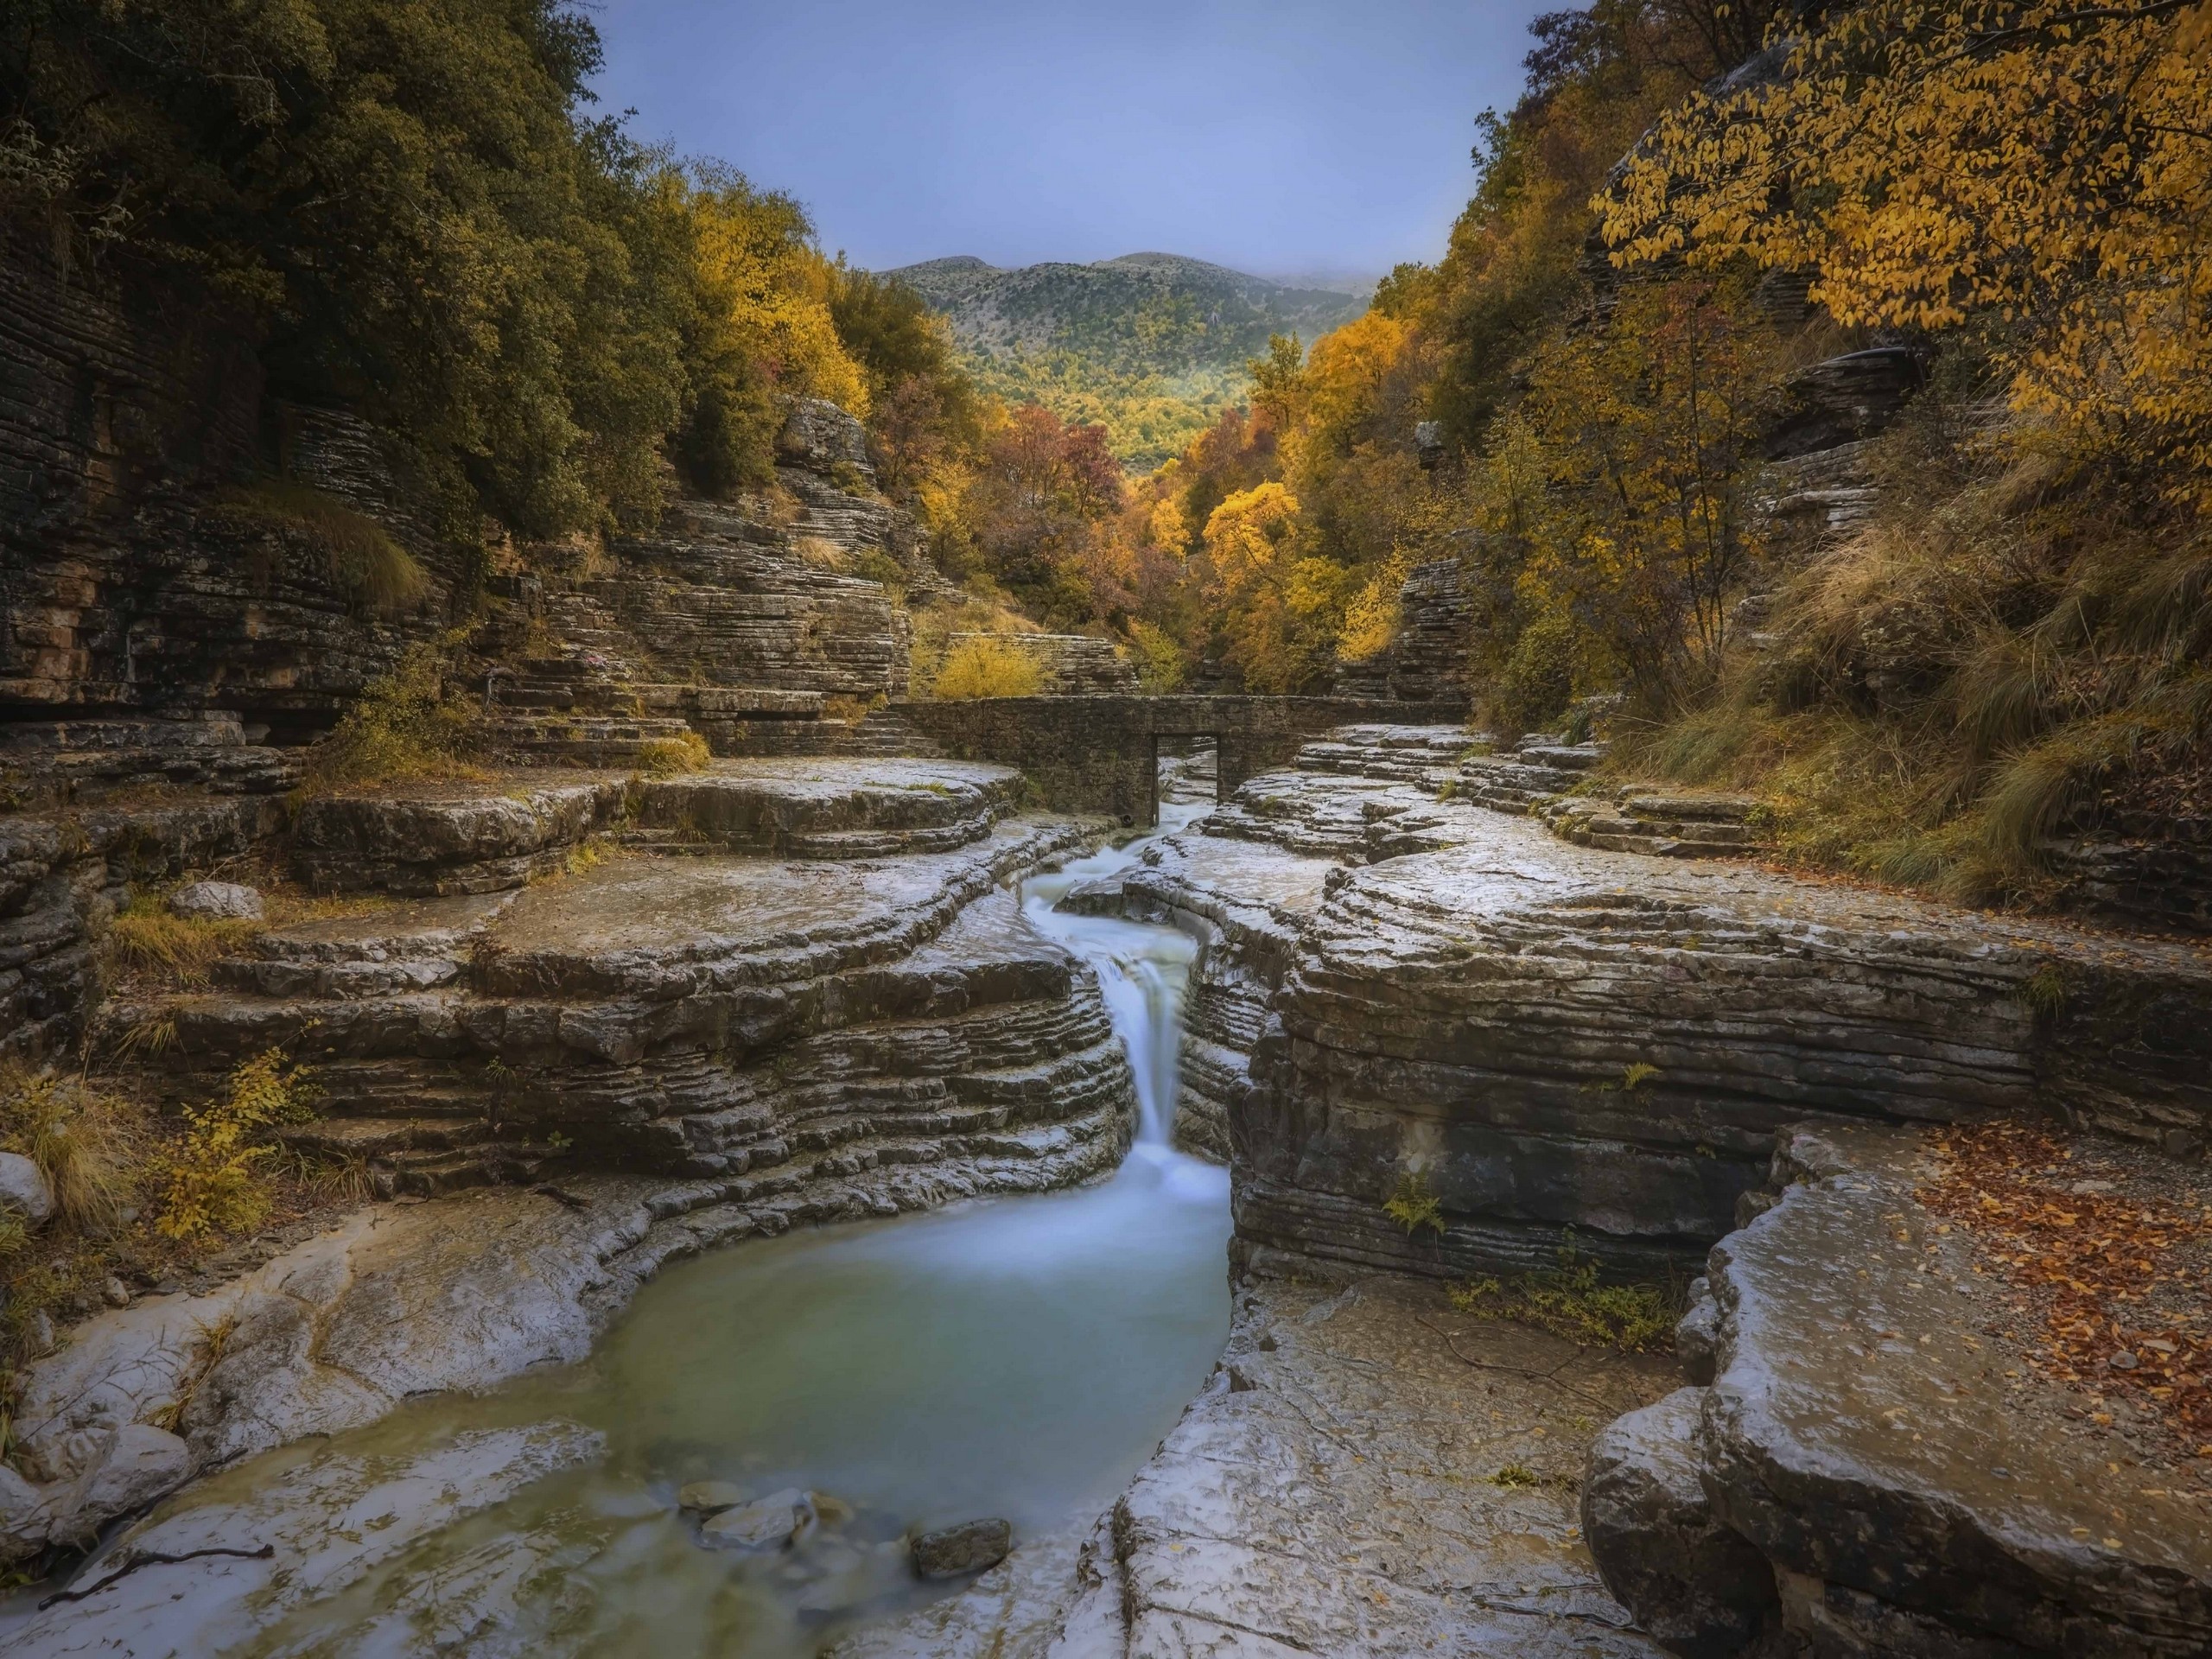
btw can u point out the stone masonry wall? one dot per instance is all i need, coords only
(1101, 753)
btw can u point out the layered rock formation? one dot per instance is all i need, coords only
(1871, 1468)
(1544, 1037)
(665, 1013)
(143, 571)
(770, 993)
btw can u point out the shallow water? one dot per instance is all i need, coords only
(1017, 1357)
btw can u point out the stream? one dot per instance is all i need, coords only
(1016, 1357)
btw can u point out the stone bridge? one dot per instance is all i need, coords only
(1101, 753)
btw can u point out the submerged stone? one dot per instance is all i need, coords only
(709, 1496)
(770, 1523)
(968, 1547)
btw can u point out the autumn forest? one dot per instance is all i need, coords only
(1688, 205)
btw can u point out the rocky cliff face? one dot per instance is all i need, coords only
(137, 578)
(1545, 1037)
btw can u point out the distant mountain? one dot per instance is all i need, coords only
(1151, 344)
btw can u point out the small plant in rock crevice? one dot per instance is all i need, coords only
(212, 1182)
(1413, 1205)
(1569, 1301)
(2043, 995)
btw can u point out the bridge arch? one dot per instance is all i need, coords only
(1101, 753)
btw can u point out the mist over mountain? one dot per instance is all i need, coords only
(1152, 345)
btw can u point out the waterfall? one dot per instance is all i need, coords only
(1142, 969)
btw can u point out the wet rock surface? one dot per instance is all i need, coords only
(1863, 1432)
(951, 1552)
(1339, 1492)
(1369, 1472)
(1555, 1035)
(220, 1576)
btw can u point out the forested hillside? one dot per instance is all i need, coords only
(417, 215)
(1989, 626)
(1150, 346)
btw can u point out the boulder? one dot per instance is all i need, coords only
(140, 1464)
(968, 1547)
(23, 1516)
(24, 1188)
(216, 901)
(770, 1523)
(1916, 1491)
(1698, 1589)
(1697, 1334)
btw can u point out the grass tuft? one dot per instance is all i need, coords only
(147, 939)
(71, 1132)
(375, 571)
(672, 757)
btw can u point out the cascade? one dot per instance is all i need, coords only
(1142, 969)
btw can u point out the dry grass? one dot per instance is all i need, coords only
(375, 571)
(2017, 644)
(75, 1135)
(147, 942)
(672, 757)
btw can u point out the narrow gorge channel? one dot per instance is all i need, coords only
(1015, 1357)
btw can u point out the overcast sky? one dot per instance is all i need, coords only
(1291, 137)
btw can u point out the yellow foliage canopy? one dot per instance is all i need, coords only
(1279, 609)
(766, 291)
(2041, 163)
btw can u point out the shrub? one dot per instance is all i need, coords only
(1568, 1301)
(1537, 680)
(212, 1181)
(403, 726)
(989, 668)
(1160, 661)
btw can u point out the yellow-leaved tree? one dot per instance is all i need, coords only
(2040, 166)
(1278, 610)
(758, 327)
(1615, 494)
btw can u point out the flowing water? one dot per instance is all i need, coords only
(1017, 1357)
